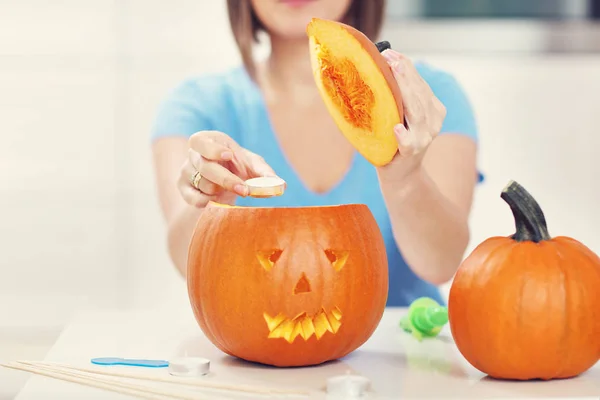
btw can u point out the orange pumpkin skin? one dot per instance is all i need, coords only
(527, 306)
(317, 275)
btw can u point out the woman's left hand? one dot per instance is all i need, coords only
(423, 113)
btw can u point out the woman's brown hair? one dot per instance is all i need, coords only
(364, 15)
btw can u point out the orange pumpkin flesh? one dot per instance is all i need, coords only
(527, 306)
(287, 286)
(358, 88)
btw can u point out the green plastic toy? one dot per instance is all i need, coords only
(425, 318)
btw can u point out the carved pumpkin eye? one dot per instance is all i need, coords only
(337, 258)
(268, 258)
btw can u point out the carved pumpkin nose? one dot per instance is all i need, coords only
(303, 285)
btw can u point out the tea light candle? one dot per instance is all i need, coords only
(347, 386)
(189, 366)
(265, 186)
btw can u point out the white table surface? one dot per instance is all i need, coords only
(397, 365)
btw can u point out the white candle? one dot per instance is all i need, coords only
(345, 386)
(265, 186)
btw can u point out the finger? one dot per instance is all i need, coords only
(416, 93)
(197, 161)
(413, 101)
(187, 174)
(441, 112)
(188, 192)
(203, 185)
(406, 68)
(222, 177)
(215, 176)
(210, 149)
(197, 140)
(194, 197)
(430, 108)
(405, 140)
(408, 142)
(240, 164)
(194, 160)
(414, 109)
(222, 138)
(207, 187)
(258, 165)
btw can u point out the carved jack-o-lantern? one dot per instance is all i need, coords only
(287, 286)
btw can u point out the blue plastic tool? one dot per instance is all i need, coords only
(128, 362)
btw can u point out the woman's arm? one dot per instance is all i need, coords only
(428, 187)
(169, 155)
(429, 208)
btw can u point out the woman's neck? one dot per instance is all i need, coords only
(288, 66)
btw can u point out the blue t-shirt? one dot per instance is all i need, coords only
(232, 103)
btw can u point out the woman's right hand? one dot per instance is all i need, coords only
(218, 166)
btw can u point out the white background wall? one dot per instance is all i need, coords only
(79, 85)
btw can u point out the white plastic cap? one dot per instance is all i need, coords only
(189, 366)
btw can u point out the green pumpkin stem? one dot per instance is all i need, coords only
(530, 222)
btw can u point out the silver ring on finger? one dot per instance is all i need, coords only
(195, 179)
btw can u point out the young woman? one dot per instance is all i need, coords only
(267, 118)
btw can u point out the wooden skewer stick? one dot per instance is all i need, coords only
(113, 384)
(127, 385)
(97, 383)
(176, 380)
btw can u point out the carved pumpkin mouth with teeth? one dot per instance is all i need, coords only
(303, 325)
(287, 286)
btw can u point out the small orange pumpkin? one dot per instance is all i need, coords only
(527, 306)
(287, 286)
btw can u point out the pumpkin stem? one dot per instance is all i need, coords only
(383, 45)
(530, 222)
